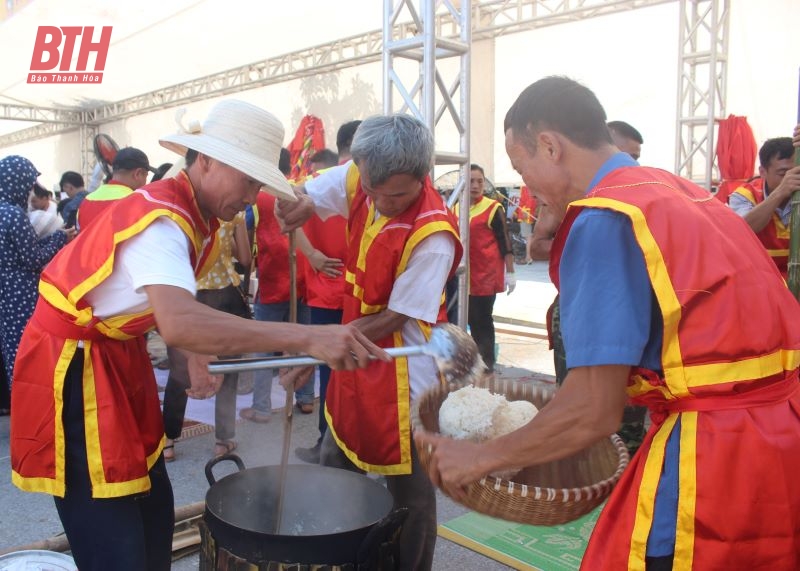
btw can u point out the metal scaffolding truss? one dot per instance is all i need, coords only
(41, 114)
(428, 92)
(702, 86)
(489, 19)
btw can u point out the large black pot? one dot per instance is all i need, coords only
(331, 516)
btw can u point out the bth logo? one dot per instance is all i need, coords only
(47, 56)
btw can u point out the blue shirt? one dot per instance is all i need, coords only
(610, 316)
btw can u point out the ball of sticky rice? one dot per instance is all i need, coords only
(507, 419)
(477, 414)
(468, 413)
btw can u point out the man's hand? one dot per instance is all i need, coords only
(71, 232)
(510, 283)
(296, 377)
(203, 384)
(796, 135)
(344, 347)
(328, 266)
(790, 183)
(454, 464)
(293, 214)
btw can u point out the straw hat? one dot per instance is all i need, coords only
(242, 136)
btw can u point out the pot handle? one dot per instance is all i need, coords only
(214, 461)
(377, 546)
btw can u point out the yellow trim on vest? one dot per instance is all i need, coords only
(351, 181)
(105, 269)
(778, 253)
(59, 376)
(403, 418)
(111, 326)
(131, 487)
(483, 205)
(781, 230)
(687, 484)
(747, 193)
(671, 356)
(91, 423)
(645, 502)
(58, 300)
(40, 485)
(109, 192)
(743, 370)
(55, 486)
(417, 237)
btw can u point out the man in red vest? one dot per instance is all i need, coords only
(130, 170)
(667, 298)
(403, 245)
(87, 425)
(764, 202)
(491, 263)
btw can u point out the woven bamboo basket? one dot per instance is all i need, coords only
(547, 494)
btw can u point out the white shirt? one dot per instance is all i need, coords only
(416, 292)
(159, 255)
(45, 222)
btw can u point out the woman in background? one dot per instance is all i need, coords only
(22, 254)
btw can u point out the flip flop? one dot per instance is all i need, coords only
(223, 447)
(169, 452)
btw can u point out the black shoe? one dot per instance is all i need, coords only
(310, 455)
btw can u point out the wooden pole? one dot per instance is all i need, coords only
(287, 422)
(793, 274)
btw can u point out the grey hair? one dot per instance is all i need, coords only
(386, 145)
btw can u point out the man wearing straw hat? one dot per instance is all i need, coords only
(402, 246)
(667, 296)
(87, 425)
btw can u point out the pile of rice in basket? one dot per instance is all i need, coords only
(477, 414)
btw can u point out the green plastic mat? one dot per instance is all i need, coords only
(528, 547)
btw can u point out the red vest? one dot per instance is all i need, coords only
(329, 236)
(124, 429)
(95, 202)
(368, 409)
(273, 255)
(486, 265)
(729, 374)
(775, 235)
(527, 205)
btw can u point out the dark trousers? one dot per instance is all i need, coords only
(324, 316)
(129, 533)
(229, 300)
(413, 491)
(659, 563)
(481, 326)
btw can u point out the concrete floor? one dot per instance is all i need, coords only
(26, 518)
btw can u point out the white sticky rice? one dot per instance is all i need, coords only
(477, 414)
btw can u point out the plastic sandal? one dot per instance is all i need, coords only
(223, 447)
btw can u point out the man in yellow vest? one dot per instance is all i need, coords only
(402, 247)
(129, 171)
(668, 299)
